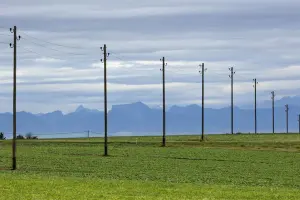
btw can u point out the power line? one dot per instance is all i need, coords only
(118, 57)
(73, 47)
(31, 51)
(53, 57)
(5, 34)
(122, 59)
(44, 46)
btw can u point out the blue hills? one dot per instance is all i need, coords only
(139, 118)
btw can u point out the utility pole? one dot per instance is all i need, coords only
(287, 117)
(299, 122)
(255, 114)
(105, 55)
(202, 72)
(164, 101)
(88, 134)
(231, 77)
(273, 113)
(14, 46)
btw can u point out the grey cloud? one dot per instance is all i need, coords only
(256, 37)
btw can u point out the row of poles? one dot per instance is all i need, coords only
(202, 71)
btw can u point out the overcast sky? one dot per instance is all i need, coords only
(59, 54)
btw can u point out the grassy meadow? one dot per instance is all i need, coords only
(264, 166)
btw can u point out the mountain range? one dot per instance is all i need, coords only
(138, 118)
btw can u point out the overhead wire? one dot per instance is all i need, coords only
(31, 51)
(5, 34)
(118, 57)
(73, 47)
(35, 40)
(31, 39)
(46, 56)
(122, 59)
(44, 46)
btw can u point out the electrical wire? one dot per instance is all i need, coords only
(54, 49)
(118, 57)
(114, 54)
(72, 47)
(44, 46)
(31, 51)
(53, 57)
(6, 35)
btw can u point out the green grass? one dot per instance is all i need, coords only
(33, 187)
(223, 167)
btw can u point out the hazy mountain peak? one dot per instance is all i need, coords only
(136, 106)
(81, 108)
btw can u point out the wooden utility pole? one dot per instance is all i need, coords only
(105, 55)
(287, 117)
(164, 102)
(255, 107)
(202, 72)
(14, 46)
(231, 77)
(273, 111)
(299, 122)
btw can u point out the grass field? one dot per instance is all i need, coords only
(223, 167)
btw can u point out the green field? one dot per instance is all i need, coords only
(223, 167)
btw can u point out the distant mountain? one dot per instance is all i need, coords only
(292, 101)
(83, 109)
(138, 118)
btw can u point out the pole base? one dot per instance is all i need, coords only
(105, 151)
(14, 163)
(164, 142)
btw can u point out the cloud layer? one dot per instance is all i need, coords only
(59, 56)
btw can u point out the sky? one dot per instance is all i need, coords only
(58, 56)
